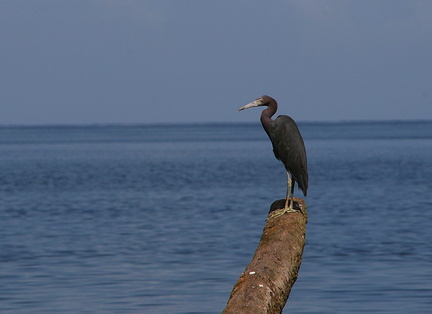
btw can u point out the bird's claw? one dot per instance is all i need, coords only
(279, 212)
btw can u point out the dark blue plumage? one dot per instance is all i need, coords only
(288, 145)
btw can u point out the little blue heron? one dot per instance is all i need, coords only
(288, 147)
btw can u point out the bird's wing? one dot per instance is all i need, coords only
(288, 147)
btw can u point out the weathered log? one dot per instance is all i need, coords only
(266, 283)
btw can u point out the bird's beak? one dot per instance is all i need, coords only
(255, 103)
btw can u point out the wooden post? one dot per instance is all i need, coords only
(266, 283)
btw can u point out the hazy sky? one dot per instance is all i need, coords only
(132, 61)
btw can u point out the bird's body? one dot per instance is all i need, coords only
(288, 146)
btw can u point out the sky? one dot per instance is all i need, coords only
(137, 61)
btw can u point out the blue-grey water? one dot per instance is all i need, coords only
(164, 218)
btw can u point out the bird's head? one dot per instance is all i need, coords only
(262, 101)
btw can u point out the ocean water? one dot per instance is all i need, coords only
(164, 218)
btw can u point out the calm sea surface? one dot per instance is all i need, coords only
(164, 218)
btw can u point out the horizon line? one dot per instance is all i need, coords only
(128, 124)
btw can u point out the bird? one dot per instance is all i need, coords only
(288, 147)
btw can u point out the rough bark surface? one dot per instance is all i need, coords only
(266, 283)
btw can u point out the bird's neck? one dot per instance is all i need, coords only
(267, 114)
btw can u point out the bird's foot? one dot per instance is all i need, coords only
(279, 212)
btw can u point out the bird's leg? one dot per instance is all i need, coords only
(288, 200)
(289, 192)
